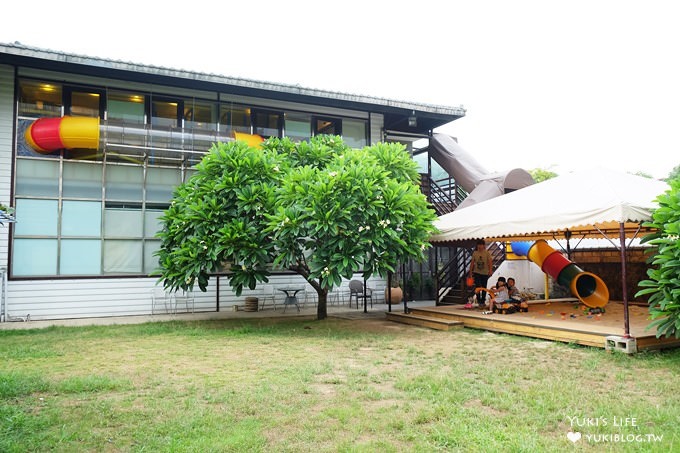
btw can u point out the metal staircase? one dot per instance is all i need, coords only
(445, 195)
(450, 278)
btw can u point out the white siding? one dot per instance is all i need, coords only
(376, 123)
(6, 115)
(89, 298)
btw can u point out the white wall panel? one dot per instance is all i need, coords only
(6, 115)
(88, 298)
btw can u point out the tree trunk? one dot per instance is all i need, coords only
(321, 311)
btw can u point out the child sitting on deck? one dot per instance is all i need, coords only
(499, 294)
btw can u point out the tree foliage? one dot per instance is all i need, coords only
(663, 284)
(318, 208)
(540, 174)
(674, 174)
(6, 214)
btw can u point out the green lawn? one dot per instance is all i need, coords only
(297, 384)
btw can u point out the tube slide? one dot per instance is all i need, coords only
(50, 134)
(587, 287)
(46, 135)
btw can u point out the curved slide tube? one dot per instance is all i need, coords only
(46, 135)
(587, 287)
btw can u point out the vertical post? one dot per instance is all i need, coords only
(3, 291)
(364, 296)
(389, 291)
(567, 235)
(404, 291)
(217, 296)
(435, 275)
(624, 278)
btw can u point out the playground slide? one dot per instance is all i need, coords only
(50, 134)
(471, 175)
(46, 135)
(587, 287)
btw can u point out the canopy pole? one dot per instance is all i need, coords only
(624, 279)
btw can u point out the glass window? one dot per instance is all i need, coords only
(200, 115)
(85, 103)
(151, 261)
(164, 113)
(39, 99)
(327, 126)
(160, 183)
(122, 257)
(80, 257)
(421, 160)
(124, 182)
(152, 223)
(234, 118)
(34, 257)
(125, 107)
(298, 127)
(82, 180)
(36, 217)
(81, 218)
(38, 178)
(354, 133)
(123, 222)
(266, 124)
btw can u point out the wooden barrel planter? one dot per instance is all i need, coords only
(251, 304)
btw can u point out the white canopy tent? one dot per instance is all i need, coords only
(588, 203)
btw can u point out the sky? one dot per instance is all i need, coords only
(546, 84)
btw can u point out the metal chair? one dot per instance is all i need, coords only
(338, 295)
(379, 294)
(186, 298)
(160, 297)
(308, 295)
(268, 295)
(356, 290)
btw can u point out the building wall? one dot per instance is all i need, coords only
(59, 298)
(6, 123)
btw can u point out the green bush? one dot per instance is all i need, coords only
(663, 284)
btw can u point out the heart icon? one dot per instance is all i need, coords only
(574, 437)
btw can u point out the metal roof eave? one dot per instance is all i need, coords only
(20, 54)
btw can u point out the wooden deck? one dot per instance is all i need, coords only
(558, 320)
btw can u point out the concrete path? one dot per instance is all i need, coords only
(341, 311)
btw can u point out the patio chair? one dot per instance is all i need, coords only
(160, 298)
(268, 295)
(308, 295)
(356, 291)
(186, 298)
(338, 295)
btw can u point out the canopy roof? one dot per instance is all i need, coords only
(586, 203)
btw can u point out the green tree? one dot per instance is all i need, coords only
(663, 284)
(540, 174)
(642, 174)
(317, 208)
(674, 174)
